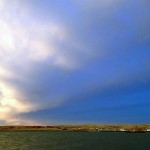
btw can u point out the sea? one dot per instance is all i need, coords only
(68, 140)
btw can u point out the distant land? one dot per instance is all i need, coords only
(100, 128)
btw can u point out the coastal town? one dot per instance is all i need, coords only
(96, 128)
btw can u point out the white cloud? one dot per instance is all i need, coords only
(35, 53)
(24, 42)
(22, 36)
(10, 105)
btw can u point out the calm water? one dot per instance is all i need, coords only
(73, 141)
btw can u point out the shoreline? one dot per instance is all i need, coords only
(83, 128)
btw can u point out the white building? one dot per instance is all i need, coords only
(122, 130)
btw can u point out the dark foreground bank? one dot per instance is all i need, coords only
(61, 140)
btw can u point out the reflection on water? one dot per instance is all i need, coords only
(37, 140)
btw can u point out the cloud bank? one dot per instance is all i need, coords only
(55, 53)
(26, 46)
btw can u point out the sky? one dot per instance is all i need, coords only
(74, 62)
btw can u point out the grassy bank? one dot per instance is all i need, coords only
(77, 128)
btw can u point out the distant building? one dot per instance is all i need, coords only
(97, 129)
(122, 130)
(148, 130)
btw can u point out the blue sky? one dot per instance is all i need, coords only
(74, 62)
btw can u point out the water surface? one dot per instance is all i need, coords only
(37, 140)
